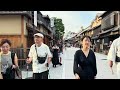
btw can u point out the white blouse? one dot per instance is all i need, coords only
(114, 50)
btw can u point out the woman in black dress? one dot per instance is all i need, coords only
(85, 61)
(55, 59)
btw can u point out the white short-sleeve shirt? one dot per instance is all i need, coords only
(41, 51)
(114, 50)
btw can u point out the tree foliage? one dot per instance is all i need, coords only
(59, 28)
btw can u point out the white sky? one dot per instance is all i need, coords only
(73, 20)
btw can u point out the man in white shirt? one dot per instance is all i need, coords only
(114, 55)
(39, 49)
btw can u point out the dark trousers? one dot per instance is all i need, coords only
(10, 74)
(43, 75)
(5, 76)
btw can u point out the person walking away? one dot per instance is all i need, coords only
(85, 61)
(40, 56)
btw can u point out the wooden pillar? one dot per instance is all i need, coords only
(22, 30)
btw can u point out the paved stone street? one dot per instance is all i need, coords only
(66, 70)
(54, 73)
(104, 72)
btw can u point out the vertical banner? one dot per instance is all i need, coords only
(52, 22)
(35, 18)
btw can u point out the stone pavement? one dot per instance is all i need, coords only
(66, 70)
(54, 73)
(103, 69)
(68, 63)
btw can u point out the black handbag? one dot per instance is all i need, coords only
(117, 59)
(10, 73)
(13, 73)
(41, 60)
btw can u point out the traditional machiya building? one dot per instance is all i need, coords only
(96, 41)
(89, 32)
(92, 30)
(77, 40)
(69, 38)
(96, 29)
(86, 31)
(110, 29)
(96, 21)
(78, 37)
(44, 27)
(13, 27)
(18, 27)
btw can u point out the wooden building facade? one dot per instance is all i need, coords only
(18, 27)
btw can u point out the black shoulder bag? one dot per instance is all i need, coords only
(117, 59)
(41, 60)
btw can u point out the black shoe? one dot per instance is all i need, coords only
(60, 64)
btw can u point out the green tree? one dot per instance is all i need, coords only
(59, 28)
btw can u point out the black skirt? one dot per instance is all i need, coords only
(55, 59)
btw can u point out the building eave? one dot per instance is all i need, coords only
(15, 13)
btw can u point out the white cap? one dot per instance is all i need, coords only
(39, 34)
